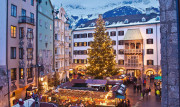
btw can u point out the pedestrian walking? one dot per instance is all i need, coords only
(137, 88)
(157, 94)
(140, 88)
(149, 91)
(128, 101)
(134, 87)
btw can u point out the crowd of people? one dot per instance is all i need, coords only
(124, 103)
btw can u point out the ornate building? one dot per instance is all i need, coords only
(135, 39)
(21, 47)
(62, 35)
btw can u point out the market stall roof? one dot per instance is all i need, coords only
(133, 34)
(96, 81)
(78, 81)
(158, 78)
(115, 88)
(113, 82)
(67, 84)
(82, 93)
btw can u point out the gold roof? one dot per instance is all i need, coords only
(133, 34)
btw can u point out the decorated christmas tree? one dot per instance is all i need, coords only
(101, 58)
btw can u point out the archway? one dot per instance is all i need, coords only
(150, 72)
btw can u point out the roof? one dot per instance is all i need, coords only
(111, 82)
(119, 20)
(133, 34)
(78, 81)
(66, 85)
(96, 81)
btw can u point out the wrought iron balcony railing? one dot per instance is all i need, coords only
(26, 19)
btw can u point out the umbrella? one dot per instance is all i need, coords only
(158, 78)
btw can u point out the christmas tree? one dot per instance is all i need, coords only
(101, 58)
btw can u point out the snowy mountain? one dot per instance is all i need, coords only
(80, 11)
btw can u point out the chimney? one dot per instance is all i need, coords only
(148, 11)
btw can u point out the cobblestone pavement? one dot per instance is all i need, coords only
(137, 101)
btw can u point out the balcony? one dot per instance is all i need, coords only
(133, 51)
(29, 80)
(27, 20)
(13, 85)
(133, 65)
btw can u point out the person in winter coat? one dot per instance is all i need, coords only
(134, 87)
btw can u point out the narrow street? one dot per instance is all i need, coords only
(148, 101)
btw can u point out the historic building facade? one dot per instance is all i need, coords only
(62, 34)
(21, 46)
(135, 39)
(45, 39)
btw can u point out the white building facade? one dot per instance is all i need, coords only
(135, 39)
(62, 34)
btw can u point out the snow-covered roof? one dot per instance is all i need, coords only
(119, 21)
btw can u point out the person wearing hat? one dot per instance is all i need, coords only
(21, 103)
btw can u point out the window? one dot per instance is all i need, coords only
(85, 43)
(89, 43)
(149, 51)
(113, 33)
(149, 41)
(55, 50)
(120, 33)
(56, 64)
(46, 25)
(13, 31)
(80, 43)
(150, 62)
(29, 72)
(75, 36)
(21, 53)
(50, 27)
(40, 22)
(23, 12)
(90, 35)
(55, 37)
(113, 42)
(32, 2)
(32, 17)
(30, 53)
(75, 44)
(121, 42)
(121, 62)
(30, 33)
(85, 61)
(114, 52)
(13, 74)
(13, 52)
(21, 73)
(21, 32)
(75, 61)
(149, 31)
(13, 10)
(107, 33)
(121, 51)
(40, 36)
(24, 0)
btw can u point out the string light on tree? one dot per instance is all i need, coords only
(101, 57)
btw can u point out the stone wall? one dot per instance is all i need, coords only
(3, 87)
(169, 53)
